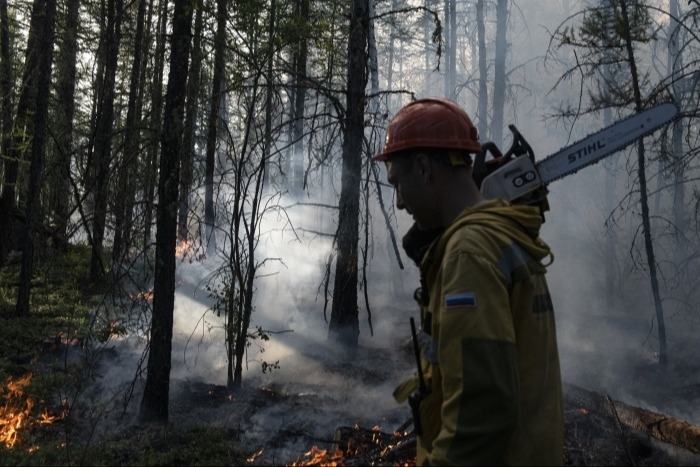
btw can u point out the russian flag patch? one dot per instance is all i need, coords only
(458, 300)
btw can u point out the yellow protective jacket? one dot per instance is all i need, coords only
(488, 344)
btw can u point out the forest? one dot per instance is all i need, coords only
(193, 232)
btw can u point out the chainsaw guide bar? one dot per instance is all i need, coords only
(517, 177)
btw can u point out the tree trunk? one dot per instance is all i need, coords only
(103, 134)
(45, 11)
(675, 65)
(499, 72)
(344, 325)
(269, 92)
(644, 196)
(154, 405)
(610, 165)
(155, 123)
(390, 57)
(483, 103)
(296, 166)
(65, 95)
(126, 169)
(7, 197)
(213, 124)
(188, 138)
(451, 70)
(18, 137)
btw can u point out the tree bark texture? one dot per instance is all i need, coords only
(344, 325)
(45, 10)
(644, 195)
(154, 405)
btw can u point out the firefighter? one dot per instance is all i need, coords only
(491, 390)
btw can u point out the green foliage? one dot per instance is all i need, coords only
(61, 311)
(197, 446)
(606, 28)
(149, 446)
(602, 61)
(60, 316)
(60, 308)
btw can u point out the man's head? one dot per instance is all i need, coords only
(427, 153)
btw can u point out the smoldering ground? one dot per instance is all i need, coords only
(310, 387)
(314, 388)
(606, 318)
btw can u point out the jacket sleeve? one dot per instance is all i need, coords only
(478, 362)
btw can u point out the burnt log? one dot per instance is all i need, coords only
(660, 426)
(603, 431)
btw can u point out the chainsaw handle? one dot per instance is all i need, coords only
(519, 146)
(483, 168)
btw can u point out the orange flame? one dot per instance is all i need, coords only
(318, 456)
(182, 248)
(144, 295)
(255, 456)
(15, 414)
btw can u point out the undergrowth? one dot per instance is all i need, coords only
(62, 308)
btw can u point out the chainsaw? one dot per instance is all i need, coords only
(517, 178)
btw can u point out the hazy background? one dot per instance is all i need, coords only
(606, 346)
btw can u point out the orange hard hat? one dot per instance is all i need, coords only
(430, 123)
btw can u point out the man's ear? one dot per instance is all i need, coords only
(424, 166)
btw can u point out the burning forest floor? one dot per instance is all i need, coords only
(318, 407)
(326, 408)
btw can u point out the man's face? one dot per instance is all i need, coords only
(409, 179)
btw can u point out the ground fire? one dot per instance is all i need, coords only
(360, 446)
(16, 413)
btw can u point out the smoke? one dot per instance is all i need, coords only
(606, 348)
(312, 387)
(608, 337)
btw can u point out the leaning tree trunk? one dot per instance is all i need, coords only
(644, 198)
(154, 405)
(46, 10)
(344, 325)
